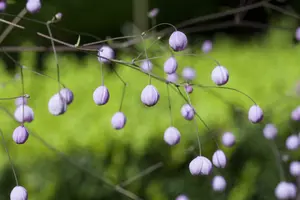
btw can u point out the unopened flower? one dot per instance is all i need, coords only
(200, 166)
(105, 54)
(173, 78)
(218, 183)
(170, 66)
(33, 6)
(255, 114)
(206, 46)
(188, 73)
(153, 13)
(188, 88)
(118, 121)
(295, 168)
(295, 115)
(20, 135)
(182, 197)
(146, 66)
(187, 111)
(18, 193)
(219, 159)
(220, 75)
(178, 41)
(172, 136)
(57, 105)
(292, 142)
(150, 95)
(270, 131)
(20, 101)
(101, 95)
(228, 139)
(67, 95)
(28, 115)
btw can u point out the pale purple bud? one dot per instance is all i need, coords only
(58, 16)
(20, 135)
(178, 41)
(105, 54)
(200, 166)
(255, 114)
(150, 95)
(146, 66)
(18, 193)
(228, 139)
(206, 46)
(219, 159)
(172, 136)
(101, 95)
(118, 121)
(297, 34)
(188, 73)
(3, 5)
(28, 115)
(270, 131)
(182, 197)
(188, 88)
(295, 168)
(292, 142)
(187, 111)
(33, 6)
(219, 184)
(153, 13)
(220, 75)
(295, 115)
(67, 95)
(173, 78)
(20, 101)
(170, 66)
(282, 191)
(57, 105)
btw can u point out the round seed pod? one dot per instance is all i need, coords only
(295, 168)
(255, 114)
(228, 139)
(20, 101)
(220, 75)
(150, 96)
(188, 88)
(118, 121)
(292, 142)
(178, 41)
(188, 73)
(105, 54)
(3, 5)
(200, 166)
(57, 105)
(206, 46)
(33, 6)
(219, 184)
(297, 34)
(20, 135)
(172, 136)
(67, 95)
(146, 66)
(188, 112)
(182, 197)
(172, 78)
(18, 193)
(170, 66)
(28, 114)
(295, 115)
(101, 95)
(219, 159)
(270, 131)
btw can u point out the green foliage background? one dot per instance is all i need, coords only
(265, 69)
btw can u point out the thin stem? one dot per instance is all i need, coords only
(145, 50)
(9, 158)
(170, 105)
(10, 98)
(278, 159)
(124, 88)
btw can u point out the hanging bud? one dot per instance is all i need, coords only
(20, 101)
(33, 6)
(28, 115)
(172, 78)
(182, 197)
(18, 193)
(3, 5)
(297, 34)
(220, 75)
(187, 111)
(218, 183)
(150, 95)
(188, 88)
(295, 115)
(67, 95)
(58, 16)
(200, 166)
(228, 139)
(153, 13)
(20, 135)
(118, 121)
(57, 105)
(101, 95)
(105, 54)
(295, 168)
(188, 73)
(270, 131)
(172, 136)
(219, 159)
(255, 114)
(292, 142)
(170, 66)
(146, 66)
(206, 46)
(178, 41)
(285, 190)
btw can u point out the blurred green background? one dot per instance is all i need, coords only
(67, 157)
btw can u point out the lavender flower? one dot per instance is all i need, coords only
(118, 121)
(18, 193)
(178, 41)
(20, 135)
(200, 166)
(101, 95)
(170, 66)
(172, 136)
(150, 95)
